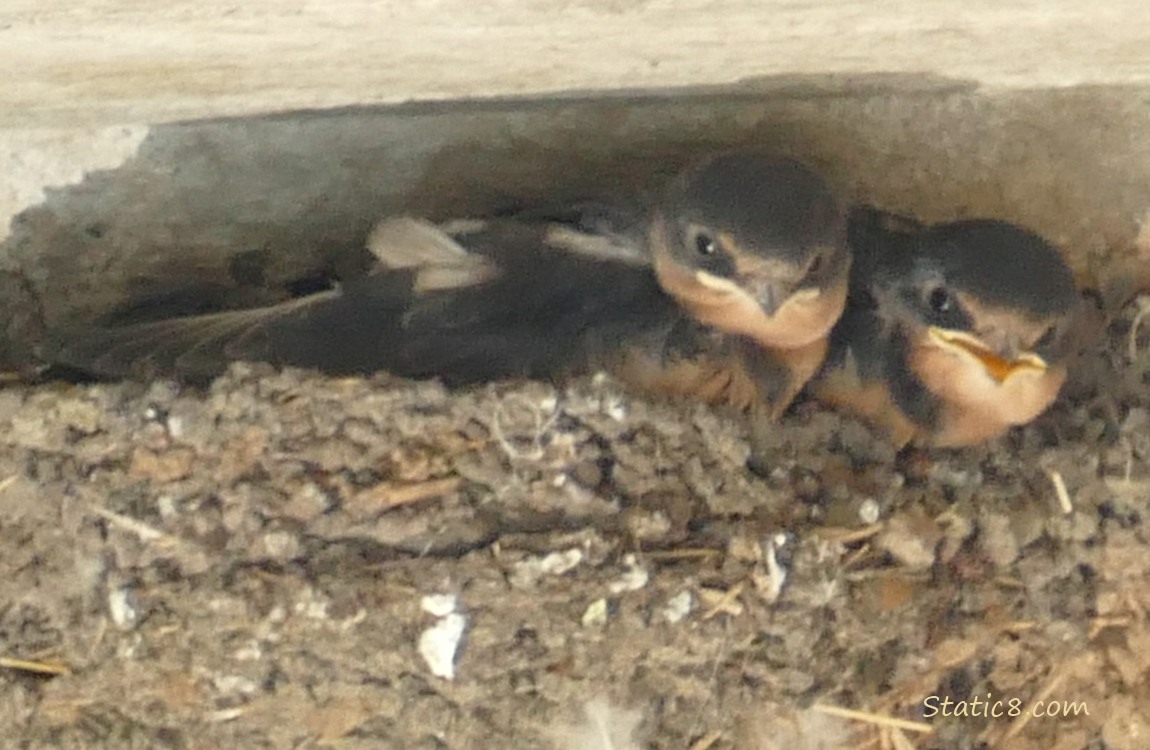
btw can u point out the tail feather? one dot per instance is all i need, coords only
(512, 306)
(194, 347)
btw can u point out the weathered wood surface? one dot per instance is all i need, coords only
(146, 61)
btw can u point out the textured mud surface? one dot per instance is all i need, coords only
(246, 567)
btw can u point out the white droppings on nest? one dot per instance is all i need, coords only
(439, 644)
(439, 605)
(175, 427)
(678, 607)
(611, 401)
(770, 582)
(595, 615)
(123, 608)
(654, 525)
(281, 545)
(312, 605)
(167, 506)
(528, 573)
(234, 684)
(633, 579)
(869, 511)
(615, 408)
(251, 651)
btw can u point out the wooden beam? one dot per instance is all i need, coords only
(133, 61)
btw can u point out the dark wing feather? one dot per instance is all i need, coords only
(543, 312)
(547, 313)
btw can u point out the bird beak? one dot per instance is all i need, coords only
(774, 299)
(998, 365)
(768, 294)
(765, 293)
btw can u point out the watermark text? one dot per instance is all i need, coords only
(998, 708)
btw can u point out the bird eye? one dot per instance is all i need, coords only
(704, 244)
(1046, 339)
(938, 299)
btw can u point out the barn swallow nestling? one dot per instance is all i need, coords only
(743, 274)
(952, 333)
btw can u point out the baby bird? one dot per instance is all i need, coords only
(952, 333)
